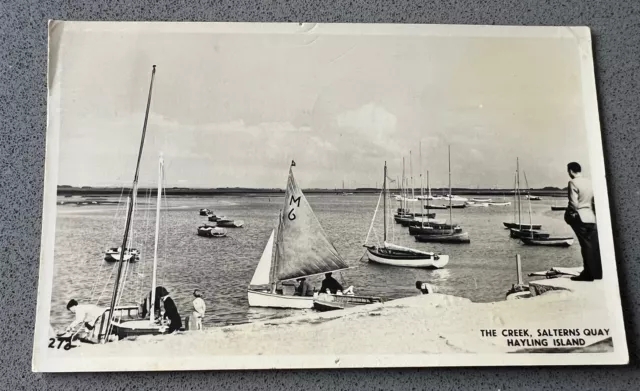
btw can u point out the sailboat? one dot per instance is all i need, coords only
(454, 234)
(518, 206)
(115, 318)
(130, 254)
(542, 239)
(393, 255)
(297, 248)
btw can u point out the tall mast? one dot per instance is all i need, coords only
(518, 193)
(450, 208)
(384, 200)
(515, 199)
(421, 188)
(529, 197)
(411, 175)
(404, 189)
(132, 197)
(155, 245)
(429, 195)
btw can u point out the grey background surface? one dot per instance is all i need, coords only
(23, 59)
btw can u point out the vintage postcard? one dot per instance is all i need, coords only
(295, 195)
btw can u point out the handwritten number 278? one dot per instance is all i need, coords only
(52, 342)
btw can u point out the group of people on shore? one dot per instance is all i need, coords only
(165, 312)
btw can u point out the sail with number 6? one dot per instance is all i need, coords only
(297, 248)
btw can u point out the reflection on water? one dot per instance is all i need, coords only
(222, 267)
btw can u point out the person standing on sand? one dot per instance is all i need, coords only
(581, 217)
(199, 308)
(171, 312)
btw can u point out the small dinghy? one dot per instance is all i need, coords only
(113, 254)
(213, 218)
(557, 208)
(227, 223)
(205, 212)
(211, 231)
(555, 242)
(327, 302)
(499, 203)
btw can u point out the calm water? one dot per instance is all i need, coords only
(481, 271)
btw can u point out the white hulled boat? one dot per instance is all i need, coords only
(297, 248)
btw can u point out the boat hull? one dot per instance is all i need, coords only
(554, 242)
(558, 208)
(325, 302)
(517, 234)
(432, 231)
(115, 257)
(455, 206)
(230, 224)
(135, 328)
(456, 237)
(408, 260)
(275, 300)
(523, 226)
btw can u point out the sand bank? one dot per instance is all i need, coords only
(426, 324)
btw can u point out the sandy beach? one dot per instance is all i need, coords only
(426, 324)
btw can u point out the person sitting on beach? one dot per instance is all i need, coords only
(331, 284)
(170, 312)
(303, 289)
(425, 288)
(88, 314)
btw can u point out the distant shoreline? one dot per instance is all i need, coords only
(239, 191)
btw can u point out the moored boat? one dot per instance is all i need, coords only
(499, 203)
(534, 227)
(550, 241)
(448, 237)
(453, 206)
(205, 212)
(228, 223)
(426, 230)
(556, 208)
(393, 255)
(211, 231)
(525, 233)
(113, 254)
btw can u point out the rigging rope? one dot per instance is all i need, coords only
(373, 220)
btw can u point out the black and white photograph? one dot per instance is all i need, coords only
(299, 195)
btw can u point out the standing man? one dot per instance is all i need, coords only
(199, 308)
(580, 215)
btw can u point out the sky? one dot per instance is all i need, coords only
(233, 109)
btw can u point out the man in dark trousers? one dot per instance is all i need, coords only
(331, 284)
(580, 215)
(171, 312)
